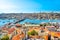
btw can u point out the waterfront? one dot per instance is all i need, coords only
(29, 28)
(6, 21)
(24, 21)
(29, 19)
(37, 21)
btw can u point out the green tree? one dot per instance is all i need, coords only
(5, 37)
(33, 33)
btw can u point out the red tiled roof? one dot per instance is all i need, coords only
(18, 37)
(11, 30)
(18, 25)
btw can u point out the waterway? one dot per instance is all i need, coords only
(6, 21)
(37, 21)
(31, 21)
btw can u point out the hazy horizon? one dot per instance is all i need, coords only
(29, 6)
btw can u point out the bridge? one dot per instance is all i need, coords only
(19, 20)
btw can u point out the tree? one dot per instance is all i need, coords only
(5, 37)
(33, 33)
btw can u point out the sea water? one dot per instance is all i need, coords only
(37, 21)
(6, 21)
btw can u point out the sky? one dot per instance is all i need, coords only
(27, 6)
